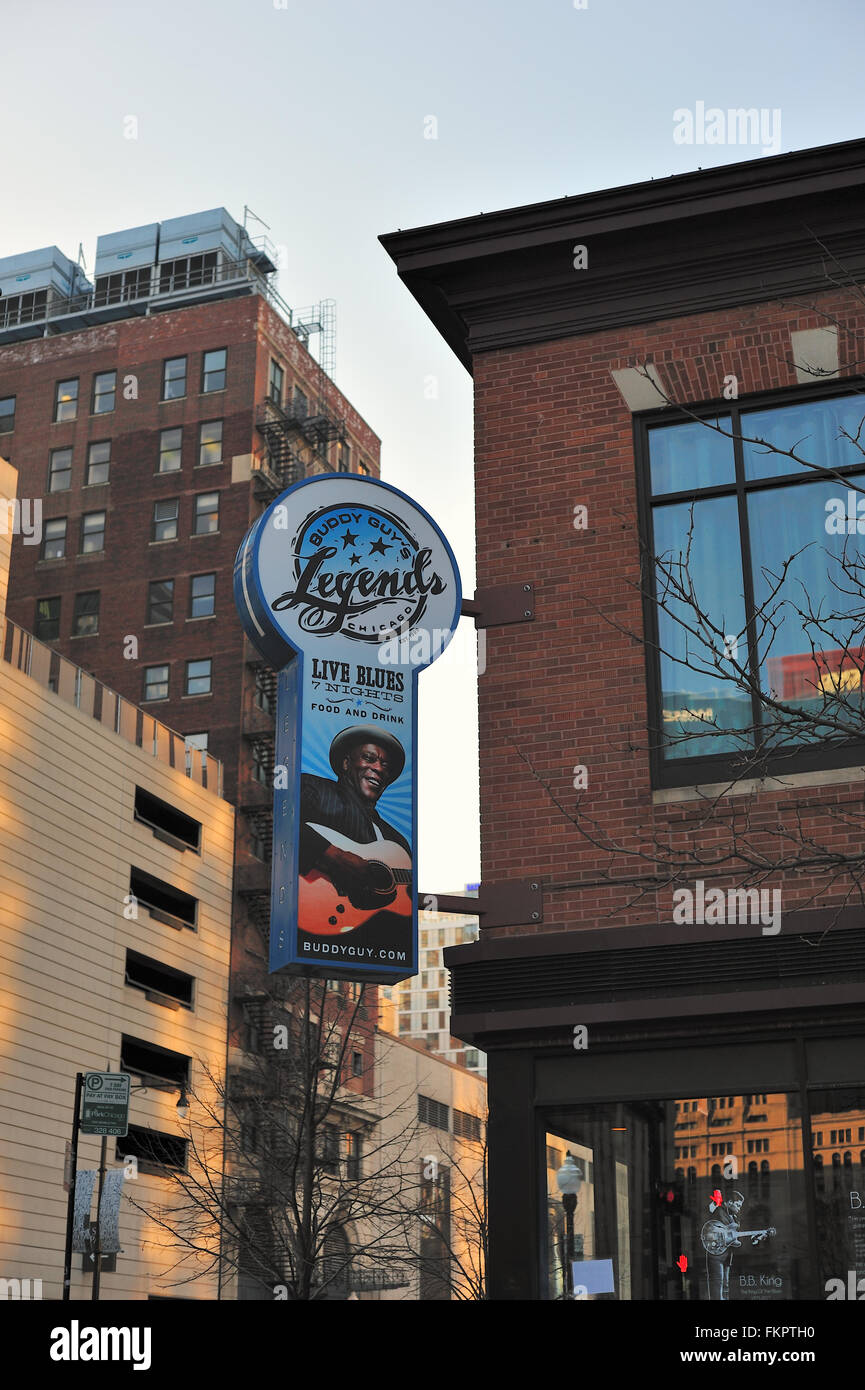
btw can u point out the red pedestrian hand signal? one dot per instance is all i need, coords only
(682, 1262)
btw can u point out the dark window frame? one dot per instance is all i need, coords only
(103, 512)
(172, 429)
(51, 521)
(197, 515)
(722, 767)
(52, 471)
(158, 666)
(162, 521)
(203, 444)
(213, 371)
(152, 621)
(197, 661)
(95, 395)
(58, 404)
(79, 611)
(37, 620)
(207, 574)
(166, 380)
(95, 444)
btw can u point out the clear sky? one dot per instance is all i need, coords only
(315, 115)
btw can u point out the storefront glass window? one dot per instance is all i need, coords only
(838, 1136)
(697, 1199)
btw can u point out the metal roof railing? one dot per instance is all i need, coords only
(77, 687)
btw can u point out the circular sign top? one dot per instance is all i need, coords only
(347, 559)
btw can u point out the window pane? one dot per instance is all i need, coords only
(92, 532)
(206, 513)
(156, 683)
(165, 519)
(103, 392)
(7, 414)
(646, 1197)
(60, 470)
(66, 400)
(210, 443)
(812, 430)
(213, 372)
(814, 650)
(174, 378)
(202, 595)
(170, 450)
(160, 601)
(691, 456)
(98, 461)
(54, 539)
(198, 677)
(277, 376)
(85, 616)
(701, 708)
(47, 619)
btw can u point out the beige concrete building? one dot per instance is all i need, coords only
(433, 1113)
(418, 1008)
(116, 864)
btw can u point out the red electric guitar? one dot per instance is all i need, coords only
(326, 910)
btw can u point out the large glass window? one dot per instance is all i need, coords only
(659, 1218)
(759, 599)
(839, 1189)
(7, 414)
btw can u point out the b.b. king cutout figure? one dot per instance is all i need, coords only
(348, 589)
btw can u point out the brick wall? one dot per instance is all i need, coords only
(552, 431)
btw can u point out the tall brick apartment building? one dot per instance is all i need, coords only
(153, 414)
(643, 741)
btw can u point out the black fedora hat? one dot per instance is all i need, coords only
(366, 733)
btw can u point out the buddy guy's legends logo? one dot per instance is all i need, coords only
(358, 572)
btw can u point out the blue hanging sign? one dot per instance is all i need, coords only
(348, 589)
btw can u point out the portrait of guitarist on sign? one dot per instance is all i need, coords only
(355, 869)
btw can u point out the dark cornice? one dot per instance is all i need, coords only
(706, 240)
(618, 975)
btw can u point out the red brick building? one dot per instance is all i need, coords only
(628, 349)
(153, 415)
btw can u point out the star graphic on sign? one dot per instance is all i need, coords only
(378, 547)
(355, 560)
(348, 539)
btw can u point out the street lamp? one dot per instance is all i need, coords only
(182, 1106)
(569, 1180)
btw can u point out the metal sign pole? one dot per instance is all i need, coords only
(70, 1208)
(97, 1268)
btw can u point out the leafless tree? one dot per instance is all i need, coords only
(287, 1184)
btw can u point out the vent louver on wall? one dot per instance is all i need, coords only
(703, 967)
